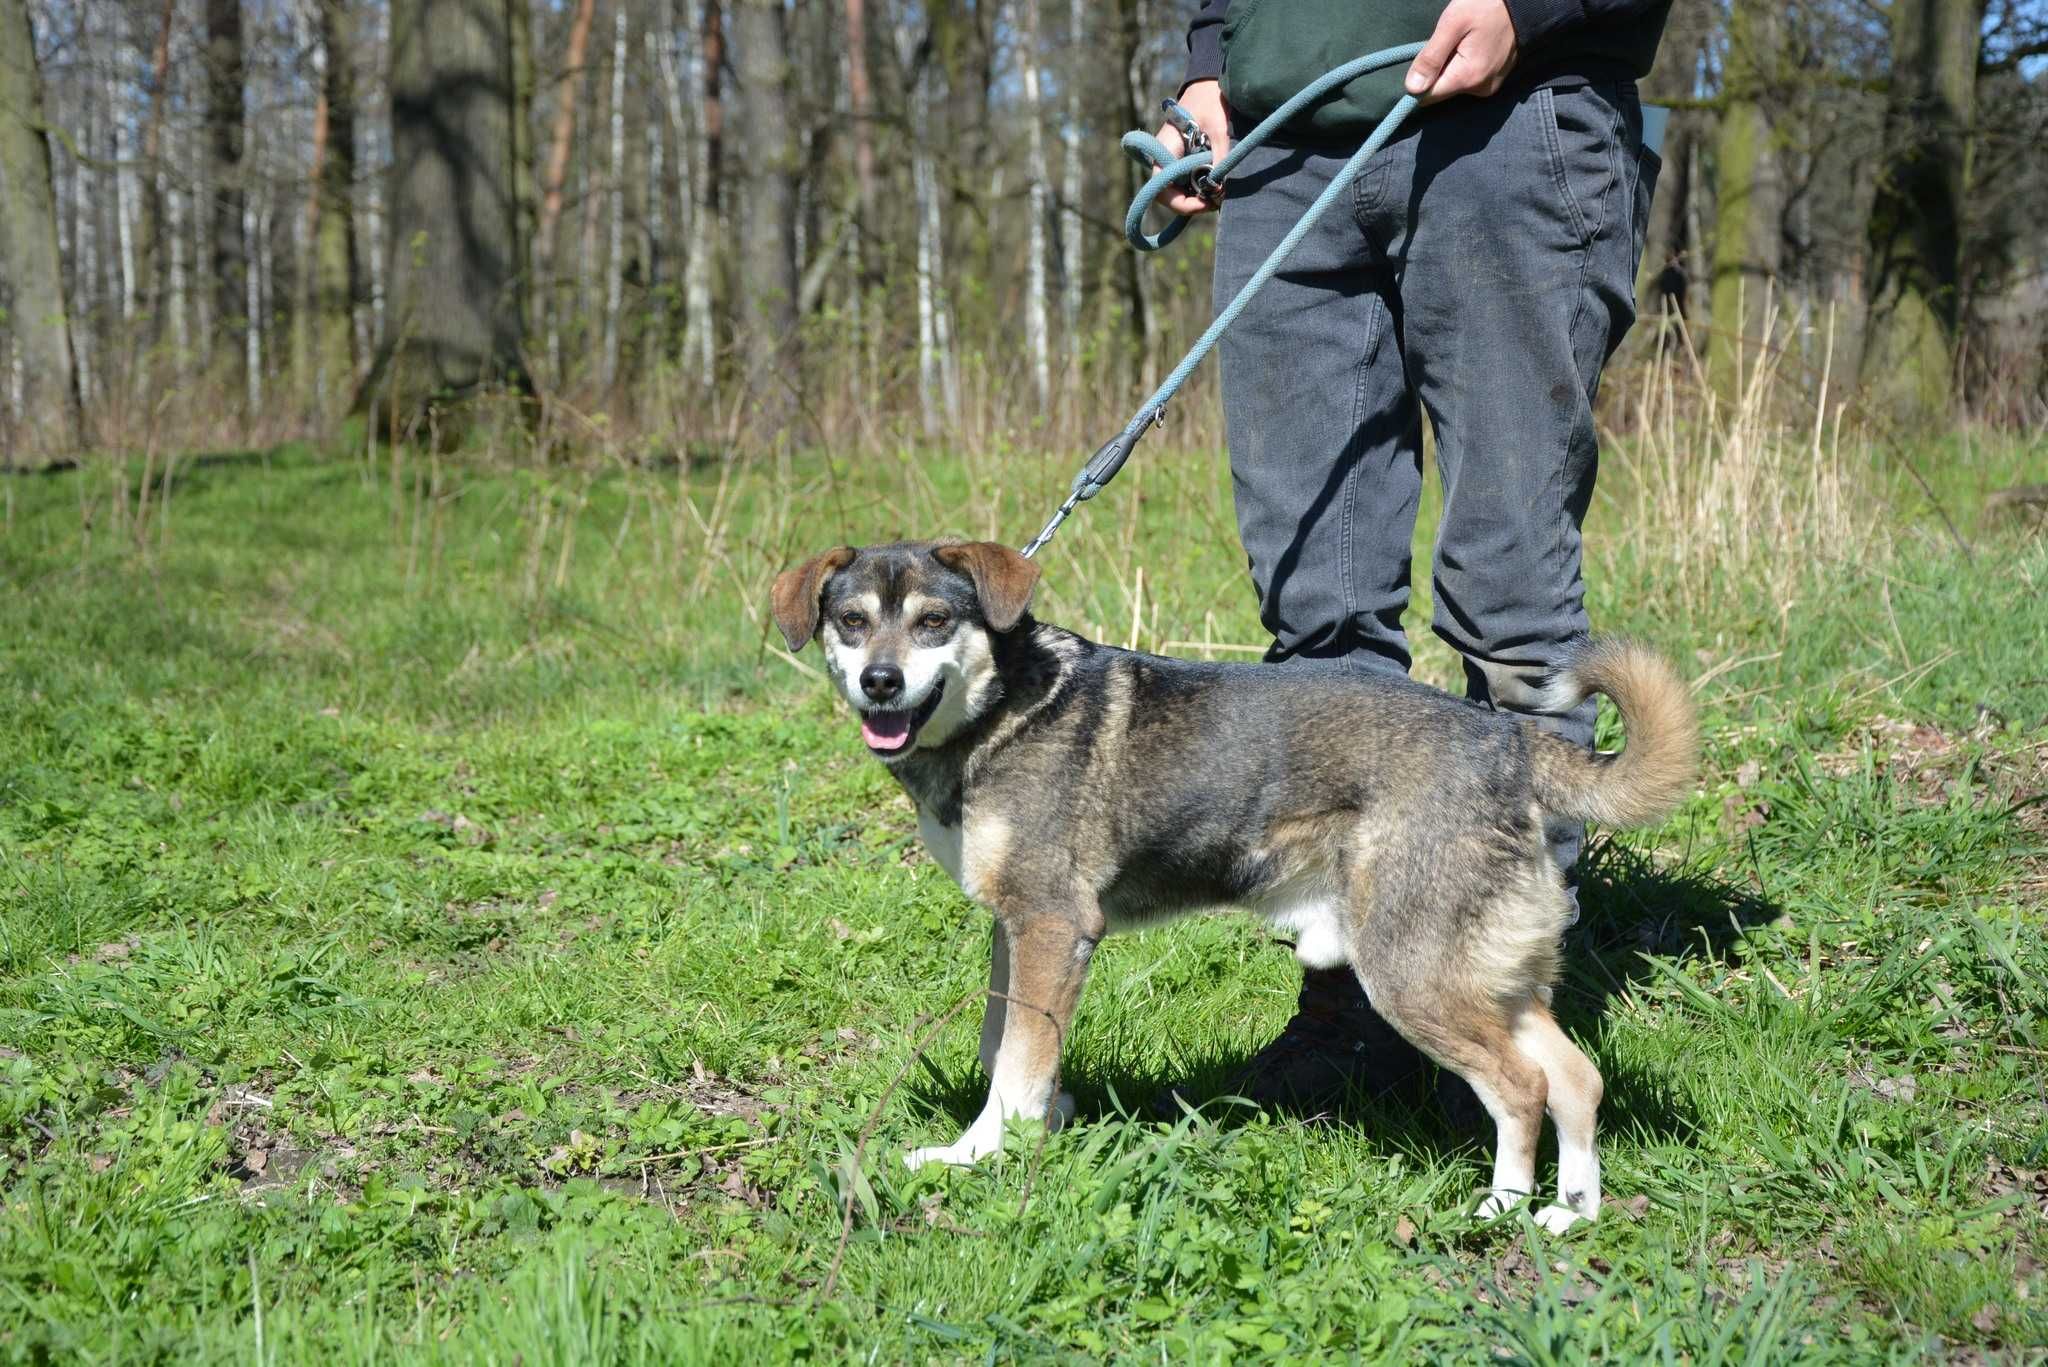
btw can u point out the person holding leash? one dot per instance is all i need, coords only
(1484, 274)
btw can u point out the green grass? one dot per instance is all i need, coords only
(435, 923)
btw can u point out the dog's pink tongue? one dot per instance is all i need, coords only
(886, 730)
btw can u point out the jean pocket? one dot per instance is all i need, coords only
(1587, 132)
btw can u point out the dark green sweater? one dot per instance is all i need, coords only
(1266, 50)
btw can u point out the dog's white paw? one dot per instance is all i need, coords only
(1497, 1204)
(1557, 1219)
(961, 1155)
(985, 1136)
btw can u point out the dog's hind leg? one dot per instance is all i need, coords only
(1574, 1099)
(1469, 1034)
(1050, 947)
(1434, 968)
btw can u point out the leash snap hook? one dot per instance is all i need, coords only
(1196, 140)
(1109, 458)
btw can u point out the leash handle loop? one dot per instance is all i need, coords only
(1201, 169)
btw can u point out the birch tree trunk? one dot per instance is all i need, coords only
(85, 276)
(124, 176)
(614, 262)
(922, 193)
(1035, 339)
(1915, 230)
(176, 202)
(253, 233)
(700, 342)
(48, 415)
(304, 383)
(1071, 243)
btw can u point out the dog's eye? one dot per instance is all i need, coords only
(934, 620)
(852, 621)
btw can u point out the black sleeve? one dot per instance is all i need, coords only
(1205, 43)
(1536, 20)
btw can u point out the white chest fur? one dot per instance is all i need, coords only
(972, 852)
(944, 844)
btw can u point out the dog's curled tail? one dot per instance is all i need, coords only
(1652, 773)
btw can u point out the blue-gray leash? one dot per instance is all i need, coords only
(1206, 179)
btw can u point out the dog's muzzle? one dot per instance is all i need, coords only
(892, 732)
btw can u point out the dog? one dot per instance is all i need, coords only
(1074, 789)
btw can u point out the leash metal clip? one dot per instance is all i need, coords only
(1111, 455)
(1196, 140)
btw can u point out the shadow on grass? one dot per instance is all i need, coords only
(1630, 909)
(182, 463)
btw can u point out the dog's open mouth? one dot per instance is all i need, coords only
(890, 733)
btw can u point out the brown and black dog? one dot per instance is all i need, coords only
(1074, 789)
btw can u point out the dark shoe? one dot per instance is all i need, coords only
(1336, 1048)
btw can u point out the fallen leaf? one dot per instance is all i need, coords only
(1404, 1232)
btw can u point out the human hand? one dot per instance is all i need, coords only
(1203, 100)
(1471, 52)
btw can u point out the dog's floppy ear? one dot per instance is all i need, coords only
(1003, 579)
(796, 594)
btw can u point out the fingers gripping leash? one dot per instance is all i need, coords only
(1200, 170)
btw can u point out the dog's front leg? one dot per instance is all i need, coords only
(1049, 950)
(998, 999)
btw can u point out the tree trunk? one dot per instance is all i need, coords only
(768, 246)
(49, 415)
(1035, 339)
(557, 171)
(305, 384)
(1144, 323)
(124, 186)
(230, 248)
(700, 341)
(615, 251)
(1072, 246)
(457, 304)
(525, 161)
(323, 335)
(177, 202)
(860, 93)
(1662, 281)
(1915, 227)
(152, 267)
(1749, 193)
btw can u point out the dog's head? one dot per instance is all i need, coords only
(908, 631)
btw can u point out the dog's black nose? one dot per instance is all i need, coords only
(881, 682)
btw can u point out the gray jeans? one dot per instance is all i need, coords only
(1484, 274)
